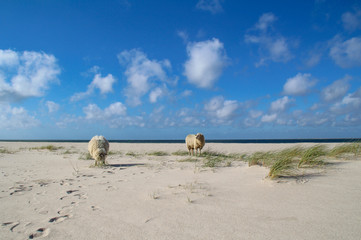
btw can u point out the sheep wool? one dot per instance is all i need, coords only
(195, 142)
(98, 148)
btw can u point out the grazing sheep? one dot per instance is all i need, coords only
(98, 148)
(195, 142)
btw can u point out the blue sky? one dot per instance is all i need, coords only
(162, 69)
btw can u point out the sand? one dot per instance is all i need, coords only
(55, 195)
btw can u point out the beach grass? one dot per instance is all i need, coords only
(6, 151)
(158, 153)
(352, 148)
(85, 156)
(311, 156)
(189, 159)
(132, 154)
(287, 162)
(51, 148)
(180, 153)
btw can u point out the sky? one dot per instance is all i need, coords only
(161, 69)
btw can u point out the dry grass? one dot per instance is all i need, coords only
(158, 153)
(48, 147)
(180, 153)
(288, 161)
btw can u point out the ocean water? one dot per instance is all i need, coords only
(321, 140)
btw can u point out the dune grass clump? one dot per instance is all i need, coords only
(261, 159)
(188, 160)
(114, 153)
(215, 159)
(132, 154)
(311, 156)
(5, 151)
(352, 148)
(282, 167)
(51, 148)
(158, 153)
(180, 153)
(85, 156)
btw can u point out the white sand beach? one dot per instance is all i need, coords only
(55, 195)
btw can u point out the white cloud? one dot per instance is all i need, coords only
(346, 54)
(52, 106)
(336, 90)
(213, 6)
(265, 21)
(186, 93)
(16, 118)
(104, 84)
(280, 105)
(298, 85)
(29, 75)
(221, 110)
(351, 21)
(142, 74)
(183, 35)
(269, 118)
(157, 93)
(272, 46)
(206, 62)
(8, 58)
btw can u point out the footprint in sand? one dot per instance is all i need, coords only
(95, 208)
(60, 218)
(12, 225)
(41, 232)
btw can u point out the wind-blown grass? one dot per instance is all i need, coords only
(352, 148)
(311, 156)
(282, 167)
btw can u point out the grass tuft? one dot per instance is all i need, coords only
(85, 156)
(5, 151)
(188, 160)
(48, 147)
(311, 156)
(353, 148)
(158, 153)
(180, 153)
(281, 167)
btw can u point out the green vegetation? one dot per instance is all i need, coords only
(311, 156)
(215, 159)
(180, 153)
(85, 156)
(132, 154)
(5, 151)
(188, 160)
(288, 161)
(158, 153)
(114, 153)
(352, 148)
(48, 147)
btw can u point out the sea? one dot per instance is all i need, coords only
(311, 140)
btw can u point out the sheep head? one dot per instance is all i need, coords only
(199, 136)
(100, 154)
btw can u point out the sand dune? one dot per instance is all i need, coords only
(55, 195)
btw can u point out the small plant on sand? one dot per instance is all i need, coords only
(180, 153)
(5, 151)
(261, 159)
(85, 156)
(282, 167)
(188, 160)
(132, 154)
(48, 147)
(352, 148)
(311, 156)
(158, 153)
(114, 153)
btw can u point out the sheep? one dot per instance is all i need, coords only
(98, 148)
(195, 142)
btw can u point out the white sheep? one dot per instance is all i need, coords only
(195, 142)
(98, 148)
